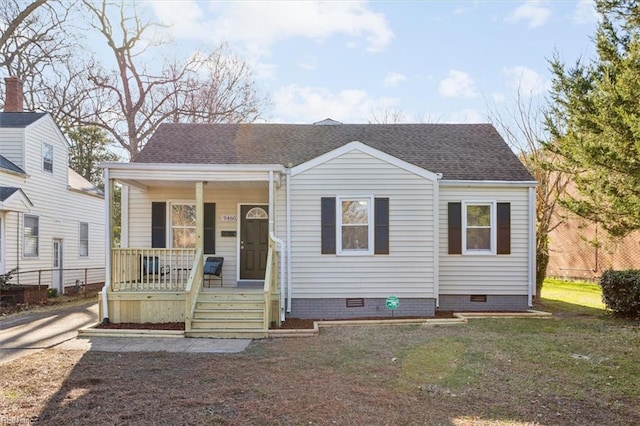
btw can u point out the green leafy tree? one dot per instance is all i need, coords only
(594, 121)
(89, 147)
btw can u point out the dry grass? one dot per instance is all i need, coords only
(574, 370)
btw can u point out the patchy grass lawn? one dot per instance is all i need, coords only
(577, 369)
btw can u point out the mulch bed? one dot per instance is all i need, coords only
(289, 324)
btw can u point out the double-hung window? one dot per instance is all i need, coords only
(355, 225)
(479, 228)
(84, 239)
(183, 225)
(31, 235)
(47, 157)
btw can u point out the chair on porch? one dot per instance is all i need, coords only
(213, 270)
(151, 266)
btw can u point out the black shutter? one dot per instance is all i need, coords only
(328, 218)
(504, 228)
(381, 229)
(159, 225)
(209, 228)
(455, 228)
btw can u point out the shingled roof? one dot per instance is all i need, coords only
(19, 119)
(8, 165)
(458, 151)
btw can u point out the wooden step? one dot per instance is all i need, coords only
(235, 296)
(227, 334)
(227, 323)
(226, 313)
(236, 305)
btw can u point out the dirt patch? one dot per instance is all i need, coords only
(299, 323)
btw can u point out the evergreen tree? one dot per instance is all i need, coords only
(594, 121)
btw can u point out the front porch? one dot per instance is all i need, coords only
(173, 291)
(172, 222)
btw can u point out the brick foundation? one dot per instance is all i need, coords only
(373, 307)
(459, 303)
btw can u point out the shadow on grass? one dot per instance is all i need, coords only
(563, 308)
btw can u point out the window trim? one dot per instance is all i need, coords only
(24, 237)
(80, 239)
(370, 224)
(492, 231)
(170, 225)
(44, 159)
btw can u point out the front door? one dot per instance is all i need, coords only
(57, 266)
(254, 241)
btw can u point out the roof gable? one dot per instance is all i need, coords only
(458, 151)
(358, 146)
(14, 199)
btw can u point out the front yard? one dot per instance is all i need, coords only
(579, 368)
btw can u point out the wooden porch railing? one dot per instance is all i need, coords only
(271, 287)
(193, 289)
(150, 269)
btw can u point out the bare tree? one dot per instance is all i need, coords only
(522, 125)
(135, 98)
(36, 45)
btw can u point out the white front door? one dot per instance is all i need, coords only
(57, 266)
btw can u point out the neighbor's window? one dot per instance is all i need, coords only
(47, 157)
(478, 224)
(84, 239)
(183, 225)
(31, 236)
(355, 225)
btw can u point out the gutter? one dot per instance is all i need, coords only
(277, 241)
(107, 284)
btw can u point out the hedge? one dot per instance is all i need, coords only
(621, 291)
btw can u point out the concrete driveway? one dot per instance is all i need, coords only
(35, 332)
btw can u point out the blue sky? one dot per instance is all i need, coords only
(434, 61)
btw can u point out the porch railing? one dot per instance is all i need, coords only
(151, 269)
(193, 289)
(271, 286)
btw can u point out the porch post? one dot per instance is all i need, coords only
(199, 216)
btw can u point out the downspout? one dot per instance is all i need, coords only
(277, 241)
(288, 218)
(436, 235)
(532, 246)
(107, 284)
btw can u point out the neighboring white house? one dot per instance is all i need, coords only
(51, 218)
(439, 215)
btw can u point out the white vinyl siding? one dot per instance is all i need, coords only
(489, 274)
(12, 146)
(408, 269)
(59, 209)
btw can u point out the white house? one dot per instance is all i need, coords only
(51, 219)
(326, 220)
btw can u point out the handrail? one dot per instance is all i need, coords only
(194, 284)
(150, 269)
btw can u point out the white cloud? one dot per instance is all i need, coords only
(467, 116)
(393, 79)
(526, 80)
(309, 63)
(258, 25)
(533, 11)
(585, 12)
(458, 84)
(305, 104)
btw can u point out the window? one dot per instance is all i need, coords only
(354, 225)
(47, 157)
(84, 239)
(183, 225)
(478, 225)
(347, 224)
(31, 236)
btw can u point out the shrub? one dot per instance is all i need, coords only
(52, 292)
(6, 278)
(621, 291)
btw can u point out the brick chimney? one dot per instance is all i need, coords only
(14, 101)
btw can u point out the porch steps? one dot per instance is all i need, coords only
(237, 313)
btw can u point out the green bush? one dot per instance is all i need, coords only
(621, 292)
(52, 292)
(5, 279)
